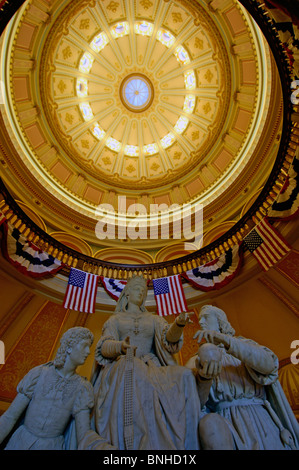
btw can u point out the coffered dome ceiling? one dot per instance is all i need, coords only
(162, 102)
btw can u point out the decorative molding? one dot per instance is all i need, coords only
(289, 267)
(35, 346)
(280, 295)
(9, 319)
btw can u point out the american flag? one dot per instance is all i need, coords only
(81, 291)
(266, 244)
(169, 295)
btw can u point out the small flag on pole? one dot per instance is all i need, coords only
(81, 291)
(169, 295)
(266, 244)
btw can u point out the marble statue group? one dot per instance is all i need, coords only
(227, 396)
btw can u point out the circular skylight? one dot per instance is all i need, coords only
(136, 92)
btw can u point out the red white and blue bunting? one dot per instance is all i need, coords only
(285, 17)
(25, 256)
(217, 273)
(286, 205)
(113, 287)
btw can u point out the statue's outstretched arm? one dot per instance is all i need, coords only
(12, 414)
(176, 329)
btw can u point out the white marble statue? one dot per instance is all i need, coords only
(247, 392)
(144, 399)
(49, 396)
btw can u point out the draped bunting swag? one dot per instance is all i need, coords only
(24, 255)
(217, 273)
(286, 205)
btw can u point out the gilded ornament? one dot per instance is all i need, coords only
(177, 155)
(209, 76)
(198, 43)
(113, 6)
(155, 166)
(177, 17)
(106, 161)
(85, 144)
(146, 4)
(213, 39)
(69, 118)
(130, 168)
(195, 135)
(67, 53)
(61, 86)
(207, 108)
(84, 23)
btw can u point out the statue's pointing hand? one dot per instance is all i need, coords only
(184, 318)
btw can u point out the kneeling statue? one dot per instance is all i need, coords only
(50, 395)
(247, 392)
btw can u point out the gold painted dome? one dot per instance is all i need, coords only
(184, 70)
(162, 102)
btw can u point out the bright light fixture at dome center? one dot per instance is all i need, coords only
(137, 92)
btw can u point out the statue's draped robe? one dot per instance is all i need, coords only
(166, 405)
(252, 402)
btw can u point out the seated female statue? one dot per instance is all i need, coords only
(144, 399)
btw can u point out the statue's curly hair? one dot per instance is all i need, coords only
(224, 325)
(69, 338)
